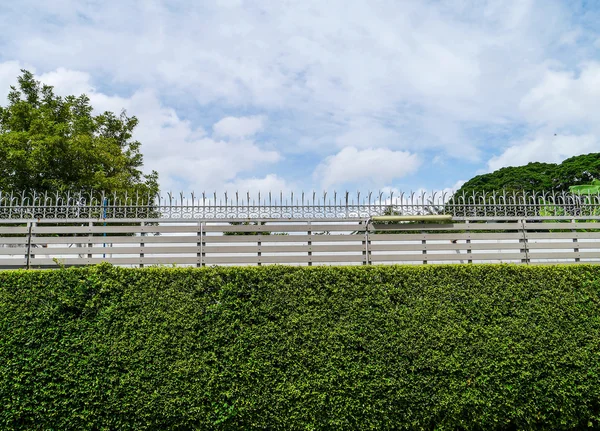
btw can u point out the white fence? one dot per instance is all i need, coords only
(54, 243)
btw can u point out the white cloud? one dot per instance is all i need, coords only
(563, 98)
(442, 62)
(563, 108)
(208, 164)
(571, 37)
(366, 167)
(330, 77)
(447, 193)
(365, 133)
(68, 82)
(239, 127)
(457, 185)
(546, 148)
(8, 76)
(269, 183)
(184, 155)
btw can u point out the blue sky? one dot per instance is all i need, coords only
(313, 95)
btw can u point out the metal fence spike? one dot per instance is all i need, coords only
(87, 203)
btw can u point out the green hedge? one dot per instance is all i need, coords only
(431, 347)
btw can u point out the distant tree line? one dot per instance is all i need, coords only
(537, 177)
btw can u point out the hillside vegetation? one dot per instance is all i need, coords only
(537, 177)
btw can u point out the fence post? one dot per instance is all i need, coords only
(524, 240)
(28, 255)
(576, 241)
(142, 235)
(202, 234)
(470, 260)
(258, 243)
(424, 250)
(366, 241)
(309, 232)
(199, 245)
(90, 245)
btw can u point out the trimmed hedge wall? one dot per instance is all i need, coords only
(473, 347)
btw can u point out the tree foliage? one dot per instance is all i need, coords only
(537, 177)
(50, 143)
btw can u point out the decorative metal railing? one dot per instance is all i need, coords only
(97, 205)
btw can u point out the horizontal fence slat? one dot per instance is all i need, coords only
(474, 226)
(116, 261)
(281, 238)
(554, 255)
(430, 246)
(553, 235)
(87, 229)
(14, 251)
(183, 250)
(446, 236)
(114, 229)
(560, 226)
(452, 227)
(561, 245)
(115, 250)
(20, 262)
(113, 239)
(443, 257)
(184, 260)
(565, 255)
(287, 228)
(187, 228)
(395, 247)
(13, 240)
(282, 248)
(487, 246)
(183, 239)
(13, 230)
(282, 259)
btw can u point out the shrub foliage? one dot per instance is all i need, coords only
(394, 347)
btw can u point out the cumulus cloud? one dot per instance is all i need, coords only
(211, 80)
(565, 98)
(185, 156)
(369, 166)
(67, 82)
(333, 63)
(546, 148)
(563, 109)
(449, 191)
(9, 71)
(239, 127)
(269, 183)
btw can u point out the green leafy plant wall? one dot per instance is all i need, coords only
(280, 348)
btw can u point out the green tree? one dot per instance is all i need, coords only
(578, 170)
(531, 177)
(54, 143)
(537, 177)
